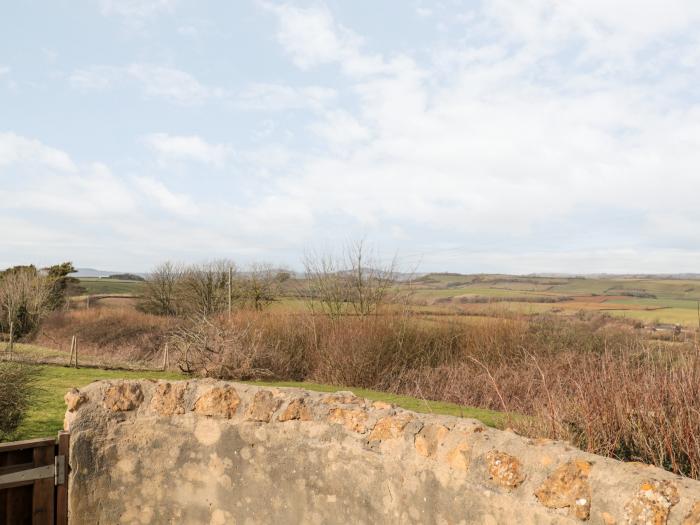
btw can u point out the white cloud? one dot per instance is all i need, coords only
(424, 12)
(340, 128)
(172, 84)
(312, 38)
(189, 147)
(173, 202)
(90, 191)
(167, 83)
(508, 136)
(278, 97)
(15, 149)
(540, 134)
(136, 8)
(4, 70)
(94, 78)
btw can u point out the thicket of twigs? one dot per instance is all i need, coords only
(600, 386)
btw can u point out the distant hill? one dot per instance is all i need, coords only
(92, 272)
(126, 277)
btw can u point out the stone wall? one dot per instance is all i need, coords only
(218, 452)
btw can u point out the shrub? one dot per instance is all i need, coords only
(592, 380)
(17, 383)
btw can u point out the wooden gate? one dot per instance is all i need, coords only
(34, 481)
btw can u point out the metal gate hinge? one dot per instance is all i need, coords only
(59, 477)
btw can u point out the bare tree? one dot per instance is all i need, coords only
(204, 288)
(355, 282)
(161, 288)
(326, 286)
(370, 280)
(25, 296)
(260, 285)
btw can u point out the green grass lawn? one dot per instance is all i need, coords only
(45, 417)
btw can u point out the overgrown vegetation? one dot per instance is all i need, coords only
(594, 380)
(17, 387)
(595, 383)
(122, 334)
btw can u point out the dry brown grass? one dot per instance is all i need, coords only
(116, 333)
(595, 382)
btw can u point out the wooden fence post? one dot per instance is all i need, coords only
(230, 290)
(166, 357)
(62, 489)
(12, 336)
(73, 351)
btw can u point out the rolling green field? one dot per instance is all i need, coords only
(650, 300)
(45, 417)
(95, 286)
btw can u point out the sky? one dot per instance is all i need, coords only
(487, 136)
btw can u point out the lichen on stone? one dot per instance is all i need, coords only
(652, 503)
(568, 486)
(505, 470)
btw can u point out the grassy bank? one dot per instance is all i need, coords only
(45, 417)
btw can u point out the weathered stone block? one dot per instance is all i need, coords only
(693, 517)
(168, 399)
(568, 486)
(263, 406)
(297, 409)
(390, 427)
(652, 503)
(505, 470)
(74, 398)
(459, 457)
(342, 398)
(219, 402)
(429, 439)
(123, 397)
(352, 419)
(128, 466)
